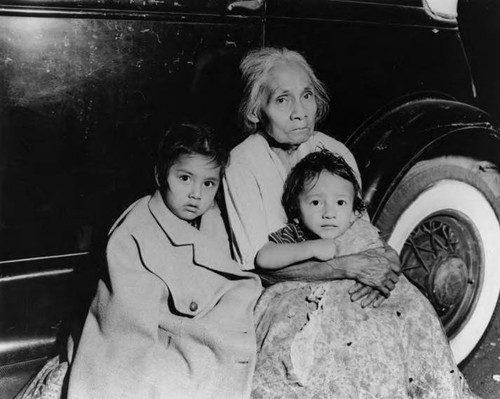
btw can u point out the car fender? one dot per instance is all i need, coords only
(391, 143)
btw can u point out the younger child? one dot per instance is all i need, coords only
(323, 203)
(175, 318)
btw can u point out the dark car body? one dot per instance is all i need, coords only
(87, 87)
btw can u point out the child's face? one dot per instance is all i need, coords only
(326, 206)
(192, 183)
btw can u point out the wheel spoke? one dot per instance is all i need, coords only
(436, 240)
(417, 255)
(420, 248)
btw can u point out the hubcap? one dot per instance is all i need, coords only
(448, 281)
(443, 259)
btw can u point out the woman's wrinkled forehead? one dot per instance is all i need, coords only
(272, 79)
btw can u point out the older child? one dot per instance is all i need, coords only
(312, 341)
(175, 319)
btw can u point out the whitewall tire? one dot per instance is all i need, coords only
(443, 219)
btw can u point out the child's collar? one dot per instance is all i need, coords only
(178, 230)
(182, 233)
(307, 234)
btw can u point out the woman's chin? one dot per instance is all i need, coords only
(295, 139)
(301, 135)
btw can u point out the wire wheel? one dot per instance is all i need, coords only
(443, 259)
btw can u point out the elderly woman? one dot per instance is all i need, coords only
(393, 349)
(282, 103)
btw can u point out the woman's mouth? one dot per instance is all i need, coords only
(301, 129)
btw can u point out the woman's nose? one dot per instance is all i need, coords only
(298, 110)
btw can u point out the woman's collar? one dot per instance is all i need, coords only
(275, 145)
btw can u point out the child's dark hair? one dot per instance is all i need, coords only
(308, 170)
(187, 139)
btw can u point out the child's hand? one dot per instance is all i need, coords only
(323, 249)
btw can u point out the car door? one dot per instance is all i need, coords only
(86, 89)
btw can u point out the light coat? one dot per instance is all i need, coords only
(175, 320)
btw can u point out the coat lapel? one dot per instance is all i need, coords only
(205, 251)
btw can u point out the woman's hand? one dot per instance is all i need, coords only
(371, 296)
(376, 268)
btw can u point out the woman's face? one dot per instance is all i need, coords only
(291, 110)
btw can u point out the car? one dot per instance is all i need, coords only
(88, 86)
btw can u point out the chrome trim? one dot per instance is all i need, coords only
(3, 262)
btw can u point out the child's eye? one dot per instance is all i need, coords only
(184, 178)
(315, 202)
(209, 183)
(341, 202)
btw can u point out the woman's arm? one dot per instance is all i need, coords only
(377, 268)
(279, 255)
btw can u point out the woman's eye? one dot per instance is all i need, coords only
(280, 100)
(308, 95)
(184, 178)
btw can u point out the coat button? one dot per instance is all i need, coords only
(193, 306)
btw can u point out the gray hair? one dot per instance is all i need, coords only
(255, 68)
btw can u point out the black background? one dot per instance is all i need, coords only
(479, 22)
